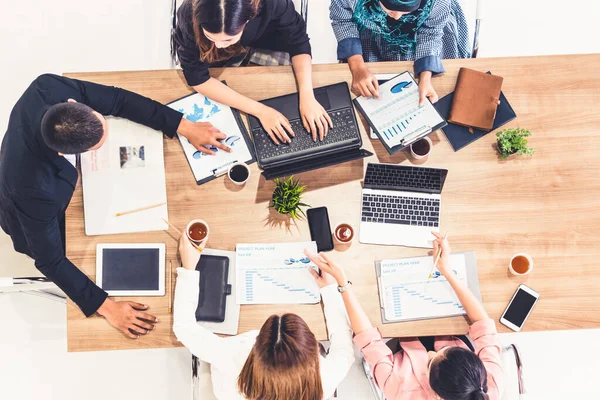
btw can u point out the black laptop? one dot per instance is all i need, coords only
(342, 143)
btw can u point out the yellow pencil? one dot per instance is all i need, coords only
(140, 209)
(170, 286)
(437, 258)
(181, 233)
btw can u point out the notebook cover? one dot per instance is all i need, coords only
(459, 136)
(475, 99)
(214, 288)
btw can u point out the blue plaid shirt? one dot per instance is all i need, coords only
(444, 34)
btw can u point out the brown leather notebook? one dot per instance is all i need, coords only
(476, 99)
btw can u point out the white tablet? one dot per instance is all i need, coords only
(131, 269)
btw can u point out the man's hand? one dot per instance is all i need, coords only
(314, 117)
(364, 82)
(426, 89)
(128, 317)
(202, 135)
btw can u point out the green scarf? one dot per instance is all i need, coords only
(400, 35)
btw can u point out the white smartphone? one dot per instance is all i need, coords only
(519, 308)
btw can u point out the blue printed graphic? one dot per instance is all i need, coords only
(202, 112)
(397, 88)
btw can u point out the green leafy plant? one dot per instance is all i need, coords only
(287, 197)
(512, 141)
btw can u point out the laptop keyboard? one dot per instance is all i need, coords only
(387, 209)
(400, 177)
(344, 130)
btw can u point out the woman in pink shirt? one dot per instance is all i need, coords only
(450, 370)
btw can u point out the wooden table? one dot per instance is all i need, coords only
(546, 205)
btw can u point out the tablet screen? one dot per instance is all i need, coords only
(130, 269)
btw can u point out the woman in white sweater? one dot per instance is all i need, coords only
(281, 361)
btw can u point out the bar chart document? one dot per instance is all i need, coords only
(396, 115)
(275, 274)
(409, 291)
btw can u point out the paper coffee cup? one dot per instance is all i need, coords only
(523, 264)
(195, 235)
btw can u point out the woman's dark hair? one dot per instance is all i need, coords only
(458, 374)
(284, 362)
(71, 128)
(221, 16)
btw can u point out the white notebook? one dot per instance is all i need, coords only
(407, 292)
(125, 174)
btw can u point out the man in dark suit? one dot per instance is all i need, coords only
(58, 116)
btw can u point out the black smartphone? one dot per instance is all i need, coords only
(320, 230)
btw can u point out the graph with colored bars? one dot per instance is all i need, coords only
(275, 273)
(408, 293)
(396, 114)
(276, 286)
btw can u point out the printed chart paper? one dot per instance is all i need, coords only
(397, 115)
(198, 108)
(126, 173)
(407, 292)
(275, 274)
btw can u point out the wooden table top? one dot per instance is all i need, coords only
(544, 205)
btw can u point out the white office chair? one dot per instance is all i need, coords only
(37, 286)
(513, 375)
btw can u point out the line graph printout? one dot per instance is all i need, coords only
(397, 115)
(275, 274)
(407, 293)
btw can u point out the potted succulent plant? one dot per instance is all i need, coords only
(512, 141)
(287, 198)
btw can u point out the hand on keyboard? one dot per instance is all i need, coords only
(314, 117)
(275, 124)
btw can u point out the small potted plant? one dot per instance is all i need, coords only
(512, 141)
(287, 198)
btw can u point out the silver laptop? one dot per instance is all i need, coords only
(401, 205)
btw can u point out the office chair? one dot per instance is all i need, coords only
(513, 375)
(38, 286)
(478, 19)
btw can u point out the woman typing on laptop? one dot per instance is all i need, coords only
(443, 367)
(220, 33)
(281, 361)
(425, 31)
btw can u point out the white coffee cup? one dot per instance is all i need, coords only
(529, 260)
(197, 241)
(421, 156)
(241, 164)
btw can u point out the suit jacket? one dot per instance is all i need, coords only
(277, 26)
(36, 183)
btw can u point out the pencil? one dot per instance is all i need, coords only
(181, 233)
(437, 258)
(141, 209)
(171, 286)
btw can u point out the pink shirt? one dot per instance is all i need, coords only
(404, 375)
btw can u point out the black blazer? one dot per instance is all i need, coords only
(277, 27)
(36, 184)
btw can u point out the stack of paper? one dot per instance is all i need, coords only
(125, 174)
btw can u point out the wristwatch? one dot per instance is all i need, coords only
(342, 289)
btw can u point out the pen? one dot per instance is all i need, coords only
(437, 258)
(171, 286)
(140, 209)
